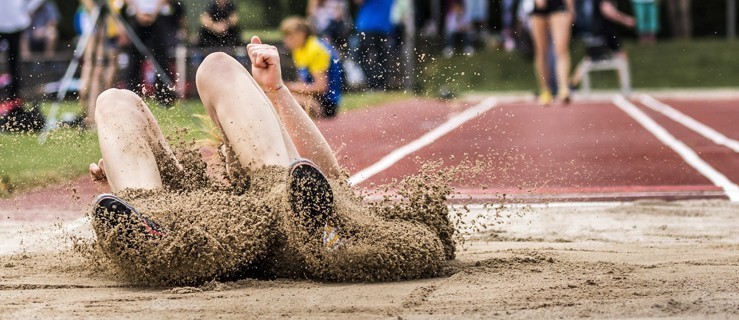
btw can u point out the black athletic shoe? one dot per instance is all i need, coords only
(312, 201)
(111, 210)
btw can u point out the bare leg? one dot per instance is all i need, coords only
(561, 25)
(131, 142)
(111, 67)
(86, 79)
(251, 127)
(540, 36)
(94, 82)
(580, 71)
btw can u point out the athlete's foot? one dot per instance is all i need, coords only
(312, 202)
(564, 96)
(111, 211)
(545, 98)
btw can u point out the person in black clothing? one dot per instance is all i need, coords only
(148, 18)
(14, 19)
(219, 25)
(605, 17)
(603, 42)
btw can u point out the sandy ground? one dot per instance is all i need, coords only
(644, 259)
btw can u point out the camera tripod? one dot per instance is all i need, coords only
(96, 24)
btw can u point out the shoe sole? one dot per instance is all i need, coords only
(310, 196)
(109, 209)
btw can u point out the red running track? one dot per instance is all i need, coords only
(588, 151)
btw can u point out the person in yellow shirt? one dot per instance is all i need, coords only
(319, 67)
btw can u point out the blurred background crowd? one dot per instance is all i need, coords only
(331, 46)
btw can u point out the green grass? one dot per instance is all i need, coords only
(704, 63)
(25, 163)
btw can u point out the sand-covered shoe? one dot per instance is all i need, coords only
(312, 202)
(111, 211)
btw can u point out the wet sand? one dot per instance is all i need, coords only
(644, 259)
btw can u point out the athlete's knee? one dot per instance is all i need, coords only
(113, 104)
(215, 64)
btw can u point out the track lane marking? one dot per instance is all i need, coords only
(426, 139)
(689, 122)
(685, 152)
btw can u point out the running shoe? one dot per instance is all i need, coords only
(564, 96)
(545, 98)
(111, 210)
(312, 202)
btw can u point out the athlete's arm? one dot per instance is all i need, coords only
(319, 84)
(609, 10)
(309, 142)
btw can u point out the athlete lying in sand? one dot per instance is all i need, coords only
(255, 133)
(183, 230)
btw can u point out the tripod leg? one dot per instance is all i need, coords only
(65, 82)
(139, 45)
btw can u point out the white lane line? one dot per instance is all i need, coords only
(690, 157)
(594, 204)
(692, 124)
(423, 141)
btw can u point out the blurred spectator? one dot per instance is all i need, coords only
(476, 12)
(100, 60)
(647, 20)
(373, 30)
(399, 15)
(14, 18)
(219, 25)
(156, 34)
(552, 17)
(173, 17)
(457, 28)
(319, 69)
(604, 42)
(43, 34)
(330, 20)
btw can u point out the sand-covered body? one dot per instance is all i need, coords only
(242, 225)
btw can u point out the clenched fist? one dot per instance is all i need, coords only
(265, 61)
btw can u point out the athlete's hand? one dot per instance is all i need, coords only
(97, 171)
(265, 65)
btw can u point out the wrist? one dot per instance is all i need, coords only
(274, 89)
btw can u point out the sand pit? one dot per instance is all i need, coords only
(644, 259)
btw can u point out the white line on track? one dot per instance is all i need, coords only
(690, 157)
(586, 204)
(689, 122)
(426, 139)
